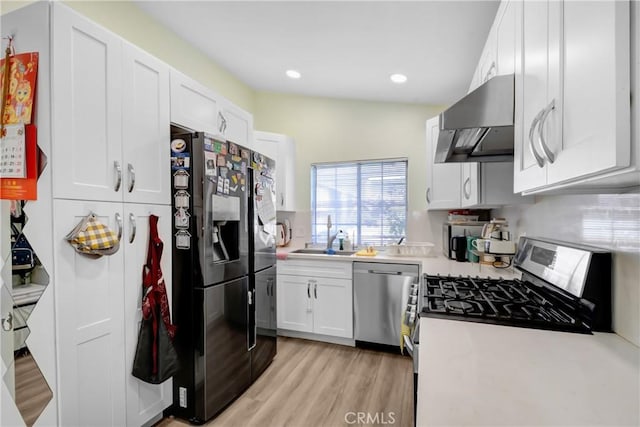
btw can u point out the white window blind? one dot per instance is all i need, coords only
(367, 200)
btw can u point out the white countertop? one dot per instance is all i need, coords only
(482, 374)
(436, 264)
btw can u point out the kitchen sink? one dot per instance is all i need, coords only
(321, 252)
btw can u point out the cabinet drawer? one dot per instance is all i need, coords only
(316, 268)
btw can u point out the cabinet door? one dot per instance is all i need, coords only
(506, 38)
(470, 184)
(443, 179)
(286, 175)
(332, 307)
(86, 109)
(295, 309)
(531, 92)
(145, 128)
(144, 401)
(193, 105)
(235, 124)
(595, 102)
(89, 294)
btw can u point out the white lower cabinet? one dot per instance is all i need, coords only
(144, 401)
(311, 303)
(89, 296)
(98, 314)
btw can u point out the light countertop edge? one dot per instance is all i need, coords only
(436, 264)
(482, 374)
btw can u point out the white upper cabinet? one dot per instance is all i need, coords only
(443, 179)
(235, 124)
(282, 149)
(193, 105)
(86, 109)
(110, 116)
(146, 128)
(572, 92)
(506, 38)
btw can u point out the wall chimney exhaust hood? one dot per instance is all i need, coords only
(479, 127)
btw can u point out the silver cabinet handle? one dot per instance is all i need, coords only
(223, 122)
(543, 144)
(132, 220)
(132, 176)
(532, 129)
(427, 195)
(118, 168)
(7, 322)
(281, 199)
(308, 290)
(467, 182)
(315, 290)
(119, 221)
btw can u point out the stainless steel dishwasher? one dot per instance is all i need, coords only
(380, 296)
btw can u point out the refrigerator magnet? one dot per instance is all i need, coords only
(226, 186)
(222, 160)
(181, 199)
(181, 179)
(220, 186)
(178, 145)
(233, 149)
(244, 154)
(209, 164)
(183, 239)
(181, 218)
(220, 147)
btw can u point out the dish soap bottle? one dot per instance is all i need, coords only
(340, 237)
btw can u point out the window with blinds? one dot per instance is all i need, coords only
(367, 200)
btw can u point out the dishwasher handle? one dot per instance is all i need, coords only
(386, 273)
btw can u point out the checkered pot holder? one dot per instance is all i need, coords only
(91, 237)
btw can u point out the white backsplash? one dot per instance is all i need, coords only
(610, 221)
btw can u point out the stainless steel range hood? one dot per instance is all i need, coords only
(479, 127)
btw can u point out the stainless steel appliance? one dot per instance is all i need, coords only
(223, 280)
(564, 286)
(380, 294)
(479, 127)
(454, 229)
(262, 261)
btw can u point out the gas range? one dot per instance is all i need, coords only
(574, 296)
(506, 302)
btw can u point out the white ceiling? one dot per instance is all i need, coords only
(344, 49)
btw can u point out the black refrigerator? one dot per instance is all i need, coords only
(217, 298)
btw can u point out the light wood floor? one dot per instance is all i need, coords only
(319, 384)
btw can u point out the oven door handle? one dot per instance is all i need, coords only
(408, 345)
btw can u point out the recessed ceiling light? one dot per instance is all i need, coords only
(293, 74)
(398, 78)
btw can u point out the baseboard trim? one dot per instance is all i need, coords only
(317, 337)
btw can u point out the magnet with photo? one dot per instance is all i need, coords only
(220, 147)
(180, 161)
(178, 145)
(221, 160)
(244, 154)
(208, 144)
(233, 149)
(210, 164)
